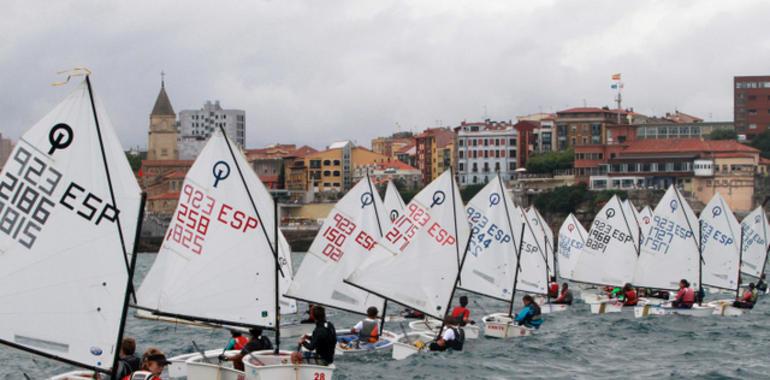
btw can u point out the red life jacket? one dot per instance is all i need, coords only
(553, 289)
(461, 311)
(631, 298)
(240, 342)
(686, 295)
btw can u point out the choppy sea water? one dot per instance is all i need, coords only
(570, 345)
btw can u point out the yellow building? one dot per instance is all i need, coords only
(731, 175)
(333, 169)
(161, 139)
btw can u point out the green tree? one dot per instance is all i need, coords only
(762, 142)
(551, 161)
(135, 161)
(722, 134)
(468, 192)
(563, 199)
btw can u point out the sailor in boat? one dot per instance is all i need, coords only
(367, 330)
(553, 288)
(309, 313)
(530, 315)
(128, 361)
(453, 337)
(258, 342)
(748, 299)
(412, 314)
(652, 293)
(629, 297)
(237, 341)
(565, 297)
(320, 346)
(462, 313)
(761, 284)
(153, 362)
(685, 297)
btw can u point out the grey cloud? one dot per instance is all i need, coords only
(311, 72)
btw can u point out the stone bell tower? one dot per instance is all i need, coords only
(162, 138)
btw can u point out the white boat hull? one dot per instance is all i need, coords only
(501, 326)
(615, 306)
(550, 308)
(75, 375)
(384, 344)
(412, 343)
(666, 309)
(265, 365)
(725, 308)
(471, 331)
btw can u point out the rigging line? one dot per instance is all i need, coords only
(637, 247)
(577, 228)
(454, 216)
(251, 198)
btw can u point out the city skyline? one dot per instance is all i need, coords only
(355, 71)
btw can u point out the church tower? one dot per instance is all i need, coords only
(162, 138)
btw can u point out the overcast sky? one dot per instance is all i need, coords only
(310, 72)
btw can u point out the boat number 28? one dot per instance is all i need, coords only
(319, 376)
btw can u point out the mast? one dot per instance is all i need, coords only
(457, 246)
(130, 284)
(379, 229)
(700, 262)
(698, 243)
(277, 286)
(740, 262)
(516, 274)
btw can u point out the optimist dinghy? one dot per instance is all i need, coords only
(752, 245)
(433, 325)
(425, 248)
(223, 205)
(71, 213)
(345, 239)
(671, 251)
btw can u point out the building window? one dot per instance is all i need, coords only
(461, 154)
(511, 142)
(336, 162)
(460, 142)
(327, 162)
(315, 164)
(336, 173)
(511, 166)
(461, 166)
(511, 153)
(327, 173)
(486, 142)
(752, 126)
(752, 97)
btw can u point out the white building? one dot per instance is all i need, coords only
(195, 127)
(484, 149)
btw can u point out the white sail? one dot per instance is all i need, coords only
(544, 235)
(721, 237)
(394, 205)
(610, 251)
(670, 248)
(491, 259)
(63, 269)
(346, 238)
(632, 216)
(572, 238)
(755, 244)
(533, 273)
(645, 221)
(417, 261)
(216, 262)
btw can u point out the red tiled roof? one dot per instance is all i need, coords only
(164, 196)
(764, 161)
(268, 178)
(687, 146)
(396, 164)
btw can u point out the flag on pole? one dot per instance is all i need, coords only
(616, 76)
